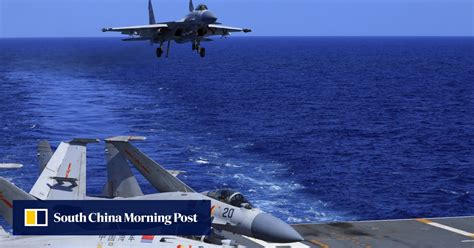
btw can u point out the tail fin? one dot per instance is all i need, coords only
(160, 178)
(64, 177)
(44, 154)
(120, 179)
(151, 14)
(191, 6)
(9, 193)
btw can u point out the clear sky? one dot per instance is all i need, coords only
(79, 18)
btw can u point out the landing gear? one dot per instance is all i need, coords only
(168, 49)
(202, 52)
(159, 52)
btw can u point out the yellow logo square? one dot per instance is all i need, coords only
(36, 217)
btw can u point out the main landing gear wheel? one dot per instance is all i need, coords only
(159, 52)
(202, 52)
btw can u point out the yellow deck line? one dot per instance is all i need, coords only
(321, 244)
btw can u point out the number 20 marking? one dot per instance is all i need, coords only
(228, 213)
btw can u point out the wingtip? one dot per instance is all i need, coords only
(247, 30)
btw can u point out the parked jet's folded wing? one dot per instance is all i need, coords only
(160, 178)
(64, 176)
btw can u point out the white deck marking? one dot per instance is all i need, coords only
(447, 228)
(266, 244)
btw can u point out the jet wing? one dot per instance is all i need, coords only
(64, 176)
(222, 30)
(160, 178)
(137, 30)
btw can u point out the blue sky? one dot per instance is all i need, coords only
(85, 18)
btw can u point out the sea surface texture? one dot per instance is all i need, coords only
(309, 129)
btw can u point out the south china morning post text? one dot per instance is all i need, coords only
(111, 217)
(99, 217)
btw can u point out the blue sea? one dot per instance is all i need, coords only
(310, 129)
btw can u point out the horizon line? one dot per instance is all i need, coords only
(260, 36)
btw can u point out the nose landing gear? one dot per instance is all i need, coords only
(159, 52)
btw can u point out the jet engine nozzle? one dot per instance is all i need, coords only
(271, 229)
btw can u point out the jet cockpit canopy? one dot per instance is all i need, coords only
(201, 7)
(231, 197)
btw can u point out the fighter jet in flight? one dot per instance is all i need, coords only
(196, 27)
(63, 177)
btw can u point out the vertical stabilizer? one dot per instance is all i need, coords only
(120, 180)
(151, 13)
(44, 154)
(160, 178)
(9, 193)
(191, 6)
(64, 177)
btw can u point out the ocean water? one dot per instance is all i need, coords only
(309, 129)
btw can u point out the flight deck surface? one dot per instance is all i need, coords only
(436, 232)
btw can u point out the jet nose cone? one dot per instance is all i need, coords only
(209, 17)
(271, 229)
